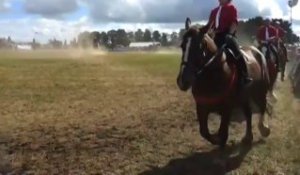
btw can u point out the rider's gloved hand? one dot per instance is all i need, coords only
(230, 39)
(229, 36)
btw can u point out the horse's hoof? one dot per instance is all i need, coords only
(264, 131)
(274, 98)
(247, 140)
(222, 145)
(215, 139)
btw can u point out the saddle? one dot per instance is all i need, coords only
(230, 54)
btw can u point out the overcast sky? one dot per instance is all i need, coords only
(64, 19)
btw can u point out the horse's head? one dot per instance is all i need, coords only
(196, 47)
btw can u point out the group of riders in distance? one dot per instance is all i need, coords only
(224, 76)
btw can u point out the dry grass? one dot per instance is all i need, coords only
(122, 114)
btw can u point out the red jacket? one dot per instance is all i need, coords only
(280, 32)
(261, 33)
(228, 16)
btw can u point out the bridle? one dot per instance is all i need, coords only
(210, 58)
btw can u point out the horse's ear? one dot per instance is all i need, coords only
(188, 23)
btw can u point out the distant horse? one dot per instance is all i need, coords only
(283, 59)
(295, 78)
(213, 77)
(270, 56)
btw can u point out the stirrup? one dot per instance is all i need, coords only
(247, 80)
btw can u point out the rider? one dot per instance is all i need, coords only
(223, 22)
(280, 33)
(267, 34)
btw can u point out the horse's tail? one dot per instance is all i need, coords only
(263, 63)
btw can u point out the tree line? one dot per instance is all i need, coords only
(120, 38)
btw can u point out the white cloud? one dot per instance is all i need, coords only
(156, 11)
(43, 29)
(50, 8)
(4, 5)
(167, 16)
(296, 12)
(272, 6)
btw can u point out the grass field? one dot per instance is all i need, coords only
(100, 113)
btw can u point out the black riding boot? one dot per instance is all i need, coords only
(241, 64)
(276, 57)
(243, 71)
(285, 52)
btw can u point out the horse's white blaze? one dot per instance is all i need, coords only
(185, 59)
(180, 75)
(187, 50)
(182, 67)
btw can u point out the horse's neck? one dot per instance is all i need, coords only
(213, 81)
(215, 78)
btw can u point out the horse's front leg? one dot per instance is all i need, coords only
(224, 126)
(283, 70)
(248, 138)
(202, 115)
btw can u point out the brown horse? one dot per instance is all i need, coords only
(214, 81)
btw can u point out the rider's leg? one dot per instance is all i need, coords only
(284, 51)
(220, 39)
(241, 63)
(274, 51)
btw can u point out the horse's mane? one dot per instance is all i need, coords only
(192, 31)
(210, 43)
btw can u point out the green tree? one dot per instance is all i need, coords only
(181, 33)
(104, 39)
(112, 39)
(84, 39)
(130, 36)
(139, 34)
(174, 38)
(164, 39)
(147, 36)
(122, 38)
(95, 37)
(156, 36)
(56, 43)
